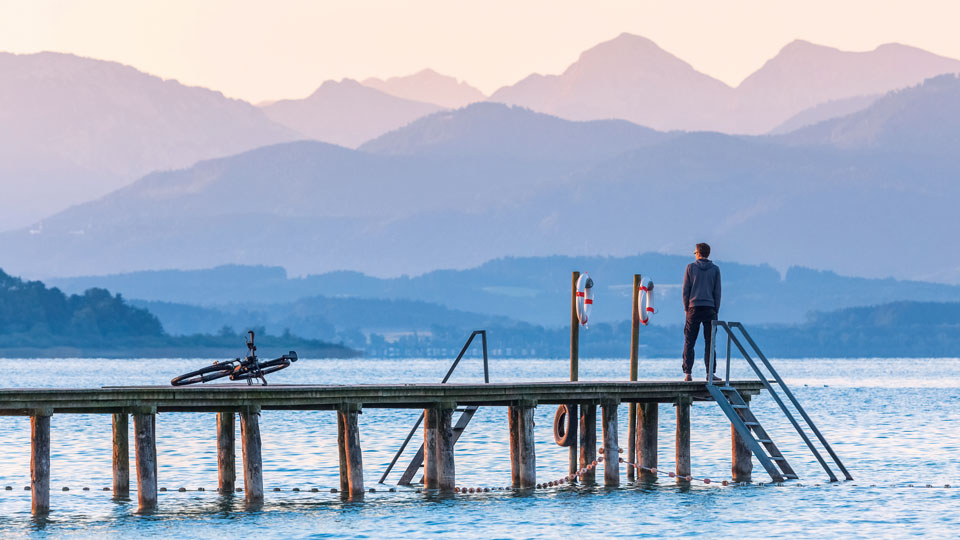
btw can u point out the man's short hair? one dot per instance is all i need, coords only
(704, 249)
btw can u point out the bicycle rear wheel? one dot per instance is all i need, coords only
(266, 368)
(203, 375)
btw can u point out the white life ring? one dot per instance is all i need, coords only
(584, 298)
(645, 302)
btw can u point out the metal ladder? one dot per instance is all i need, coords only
(743, 419)
(466, 414)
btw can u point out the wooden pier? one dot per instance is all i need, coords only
(438, 401)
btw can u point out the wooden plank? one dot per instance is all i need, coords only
(634, 354)
(648, 425)
(683, 439)
(121, 455)
(446, 468)
(526, 445)
(40, 462)
(742, 467)
(144, 426)
(588, 442)
(431, 478)
(611, 444)
(513, 417)
(226, 451)
(354, 452)
(252, 458)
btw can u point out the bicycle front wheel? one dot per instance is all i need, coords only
(203, 375)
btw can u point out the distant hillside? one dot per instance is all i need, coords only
(631, 78)
(73, 129)
(531, 289)
(346, 113)
(428, 86)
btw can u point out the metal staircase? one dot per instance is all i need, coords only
(466, 414)
(743, 419)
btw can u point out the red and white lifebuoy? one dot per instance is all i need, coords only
(645, 302)
(584, 298)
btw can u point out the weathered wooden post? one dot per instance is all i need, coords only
(588, 442)
(742, 468)
(350, 413)
(145, 426)
(446, 468)
(342, 451)
(121, 455)
(648, 423)
(226, 451)
(526, 446)
(611, 444)
(431, 478)
(573, 464)
(252, 458)
(513, 418)
(683, 438)
(634, 355)
(40, 460)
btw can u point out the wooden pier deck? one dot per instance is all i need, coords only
(437, 400)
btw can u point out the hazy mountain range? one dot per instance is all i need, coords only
(428, 86)
(459, 188)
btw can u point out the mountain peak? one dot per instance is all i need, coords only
(428, 86)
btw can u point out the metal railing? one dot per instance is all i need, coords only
(486, 379)
(733, 339)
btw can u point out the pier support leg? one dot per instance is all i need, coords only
(631, 440)
(40, 461)
(611, 444)
(446, 468)
(342, 451)
(121, 455)
(526, 448)
(513, 417)
(742, 469)
(588, 442)
(431, 477)
(683, 438)
(648, 425)
(351, 446)
(252, 458)
(574, 463)
(145, 426)
(226, 451)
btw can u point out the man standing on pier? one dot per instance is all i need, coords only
(701, 302)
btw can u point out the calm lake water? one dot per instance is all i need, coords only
(894, 422)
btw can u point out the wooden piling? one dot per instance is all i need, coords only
(121, 455)
(354, 454)
(525, 444)
(40, 461)
(226, 451)
(611, 444)
(588, 442)
(431, 478)
(648, 425)
(742, 469)
(513, 419)
(634, 355)
(446, 468)
(145, 426)
(683, 438)
(342, 451)
(572, 461)
(252, 458)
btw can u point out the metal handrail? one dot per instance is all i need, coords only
(486, 379)
(732, 338)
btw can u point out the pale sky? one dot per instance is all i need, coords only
(259, 50)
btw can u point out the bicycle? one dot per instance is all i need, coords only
(238, 369)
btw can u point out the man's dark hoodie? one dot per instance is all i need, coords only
(701, 285)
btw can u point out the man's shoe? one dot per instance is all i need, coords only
(687, 377)
(715, 379)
